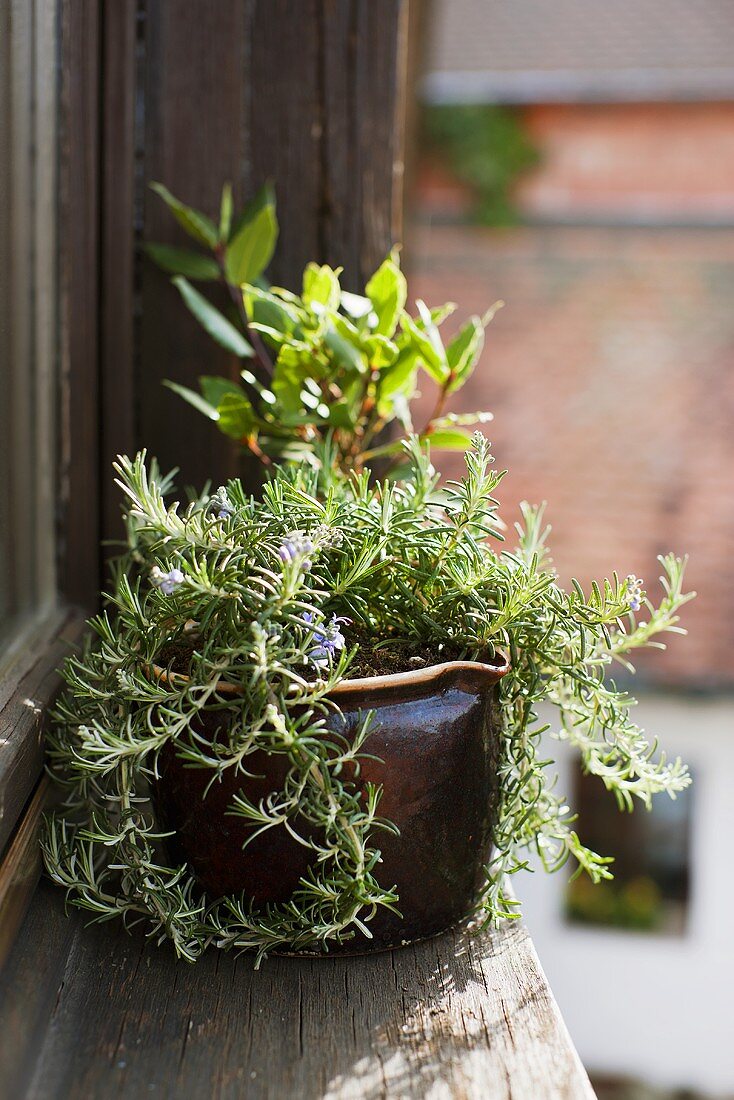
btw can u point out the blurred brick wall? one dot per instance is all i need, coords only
(611, 376)
(631, 161)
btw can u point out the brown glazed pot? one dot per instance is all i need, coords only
(436, 733)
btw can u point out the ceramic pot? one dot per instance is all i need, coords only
(436, 733)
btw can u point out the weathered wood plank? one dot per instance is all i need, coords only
(285, 125)
(20, 869)
(45, 297)
(28, 1012)
(17, 419)
(117, 252)
(325, 120)
(79, 479)
(28, 102)
(459, 1016)
(22, 712)
(194, 93)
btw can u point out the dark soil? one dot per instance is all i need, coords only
(374, 657)
(383, 657)
(176, 656)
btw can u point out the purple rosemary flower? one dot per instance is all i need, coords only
(327, 637)
(167, 582)
(296, 548)
(635, 594)
(221, 504)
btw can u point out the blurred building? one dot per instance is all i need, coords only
(631, 103)
(610, 373)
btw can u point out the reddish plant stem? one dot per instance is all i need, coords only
(443, 394)
(254, 448)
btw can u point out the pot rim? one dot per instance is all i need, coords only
(491, 672)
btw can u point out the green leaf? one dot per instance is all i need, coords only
(456, 420)
(265, 196)
(274, 337)
(430, 328)
(214, 388)
(440, 313)
(199, 403)
(356, 305)
(252, 245)
(212, 321)
(433, 361)
(237, 417)
(380, 351)
(492, 312)
(196, 224)
(400, 376)
(287, 382)
(388, 291)
(342, 415)
(344, 350)
(180, 261)
(281, 293)
(401, 410)
(321, 286)
(270, 315)
(463, 352)
(386, 449)
(448, 439)
(225, 212)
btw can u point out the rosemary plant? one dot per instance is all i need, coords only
(283, 597)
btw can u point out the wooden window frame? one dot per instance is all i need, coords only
(28, 110)
(48, 454)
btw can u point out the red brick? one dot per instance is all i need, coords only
(639, 161)
(611, 376)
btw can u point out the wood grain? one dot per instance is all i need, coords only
(22, 712)
(79, 474)
(193, 89)
(20, 869)
(95, 1013)
(325, 122)
(117, 252)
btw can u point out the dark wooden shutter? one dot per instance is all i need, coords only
(307, 93)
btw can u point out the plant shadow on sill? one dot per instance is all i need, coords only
(127, 1017)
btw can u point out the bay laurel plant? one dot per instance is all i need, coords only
(323, 363)
(285, 597)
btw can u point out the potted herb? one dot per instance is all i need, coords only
(325, 372)
(310, 722)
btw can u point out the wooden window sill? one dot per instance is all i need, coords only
(28, 684)
(91, 1011)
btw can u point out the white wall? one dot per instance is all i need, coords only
(660, 1008)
